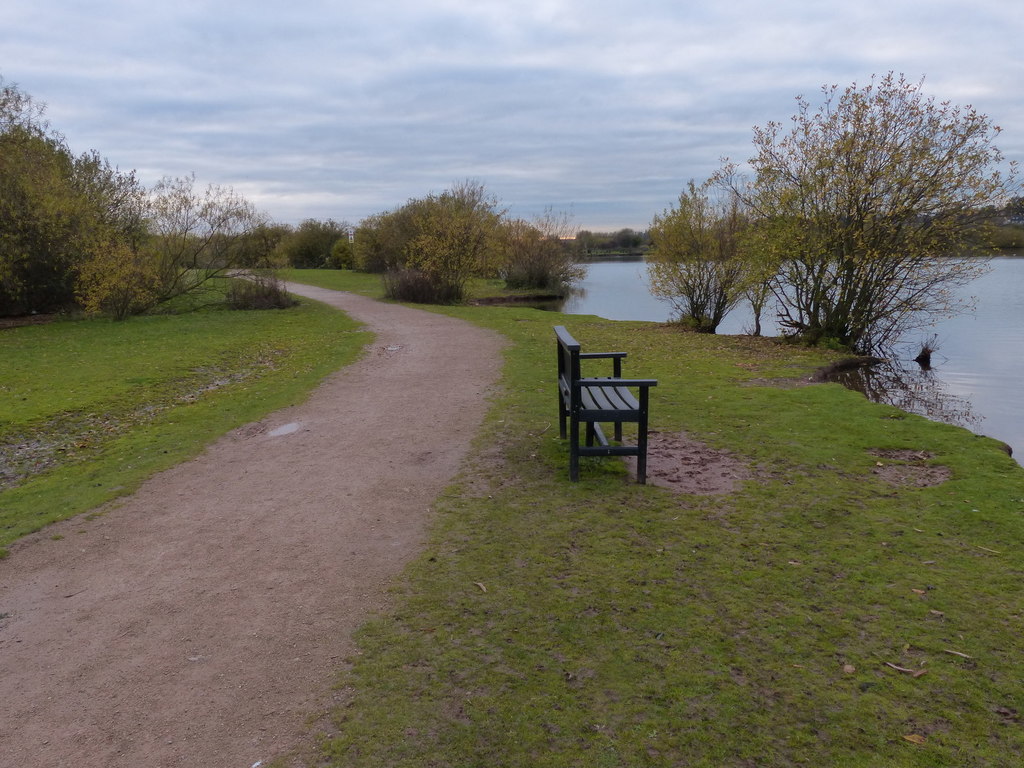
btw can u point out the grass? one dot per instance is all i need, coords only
(90, 408)
(372, 285)
(362, 283)
(604, 623)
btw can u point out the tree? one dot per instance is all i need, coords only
(382, 240)
(74, 228)
(695, 265)
(195, 235)
(115, 274)
(40, 215)
(864, 205)
(342, 254)
(310, 245)
(539, 255)
(40, 211)
(60, 215)
(258, 249)
(57, 211)
(18, 109)
(455, 238)
(627, 239)
(118, 281)
(624, 240)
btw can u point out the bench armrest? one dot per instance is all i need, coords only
(615, 357)
(618, 382)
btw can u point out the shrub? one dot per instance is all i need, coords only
(341, 254)
(117, 282)
(539, 256)
(259, 291)
(310, 245)
(418, 287)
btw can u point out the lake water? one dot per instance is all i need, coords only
(976, 373)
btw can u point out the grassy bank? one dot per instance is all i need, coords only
(822, 614)
(90, 407)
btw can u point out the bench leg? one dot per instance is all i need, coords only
(574, 444)
(641, 461)
(641, 440)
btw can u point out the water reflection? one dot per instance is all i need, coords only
(914, 389)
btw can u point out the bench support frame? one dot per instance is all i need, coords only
(595, 401)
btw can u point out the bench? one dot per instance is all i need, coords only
(593, 401)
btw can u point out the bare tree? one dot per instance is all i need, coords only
(696, 265)
(194, 233)
(538, 254)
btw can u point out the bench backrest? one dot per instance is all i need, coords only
(568, 362)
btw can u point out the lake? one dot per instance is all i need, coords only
(977, 369)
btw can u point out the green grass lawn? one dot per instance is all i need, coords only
(603, 623)
(89, 408)
(373, 286)
(339, 280)
(608, 624)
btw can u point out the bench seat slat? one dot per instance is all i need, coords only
(616, 399)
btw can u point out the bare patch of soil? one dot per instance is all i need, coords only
(680, 463)
(908, 468)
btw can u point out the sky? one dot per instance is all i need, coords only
(599, 109)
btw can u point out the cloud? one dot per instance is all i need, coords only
(317, 109)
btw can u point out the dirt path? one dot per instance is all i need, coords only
(200, 621)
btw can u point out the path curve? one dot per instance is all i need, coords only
(201, 621)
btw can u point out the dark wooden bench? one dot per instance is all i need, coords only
(594, 401)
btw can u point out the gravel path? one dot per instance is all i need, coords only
(201, 621)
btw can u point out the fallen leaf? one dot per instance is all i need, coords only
(936, 613)
(849, 669)
(915, 738)
(918, 591)
(482, 587)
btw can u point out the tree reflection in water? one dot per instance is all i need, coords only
(913, 389)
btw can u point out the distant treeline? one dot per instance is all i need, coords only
(624, 241)
(1006, 229)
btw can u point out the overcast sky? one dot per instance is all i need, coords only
(316, 109)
